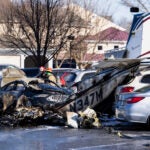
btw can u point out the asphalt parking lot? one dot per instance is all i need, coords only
(113, 135)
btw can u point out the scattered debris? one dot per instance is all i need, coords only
(72, 119)
(85, 119)
(21, 113)
(32, 112)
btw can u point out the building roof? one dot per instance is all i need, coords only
(110, 34)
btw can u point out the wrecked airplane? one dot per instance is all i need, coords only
(110, 73)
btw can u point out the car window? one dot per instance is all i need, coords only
(7, 66)
(143, 89)
(2, 67)
(87, 75)
(146, 79)
(31, 72)
(58, 73)
(70, 77)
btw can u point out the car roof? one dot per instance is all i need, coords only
(65, 69)
(74, 70)
(84, 71)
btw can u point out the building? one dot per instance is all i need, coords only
(110, 38)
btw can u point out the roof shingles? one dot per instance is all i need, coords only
(110, 34)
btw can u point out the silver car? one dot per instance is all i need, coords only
(71, 75)
(134, 106)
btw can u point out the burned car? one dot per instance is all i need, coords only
(39, 94)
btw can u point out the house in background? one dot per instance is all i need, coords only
(97, 45)
(110, 38)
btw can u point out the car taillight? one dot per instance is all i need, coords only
(127, 89)
(134, 100)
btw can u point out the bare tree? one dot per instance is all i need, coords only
(69, 50)
(38, 27)
(4, 6)
(75, 48)
(78, 49)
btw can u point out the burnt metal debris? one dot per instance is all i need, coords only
(23, 114)
(30, 101)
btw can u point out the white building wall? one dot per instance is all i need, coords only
(14, 60)
(93, 47)
(22, 61)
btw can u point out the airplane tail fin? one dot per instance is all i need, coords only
(138, 44)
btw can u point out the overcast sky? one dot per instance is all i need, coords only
(115, 9)
(120, 11)
(109, 7)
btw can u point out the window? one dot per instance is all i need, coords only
(100, 47)
(146, 79)
(70, 77)
(116, 47)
